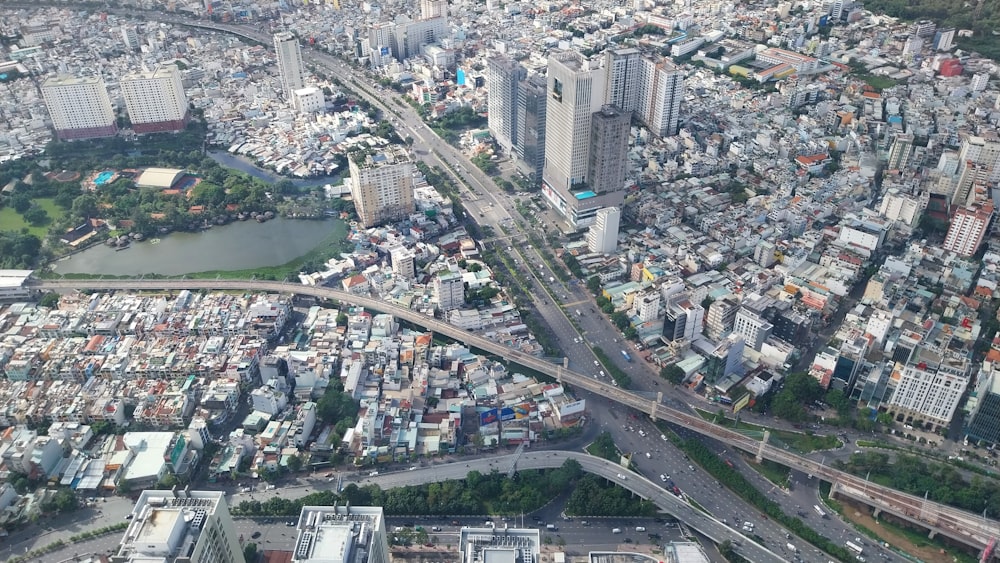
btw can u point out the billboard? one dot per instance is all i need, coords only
(488, 417)
(741, 403)
(507, 413)
(572, 409)
(522, 411)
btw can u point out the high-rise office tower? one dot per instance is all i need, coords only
(603, 235)
(290, 70)
(503, 77)
(79, 107)
(172, 525)
(609, 131)
(622, 68)
(430, 9)
(575, 92)
(155, 100)
(382, 185)
(410, 36)
(660, 90)
(531, 108)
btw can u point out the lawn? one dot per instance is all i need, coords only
(11, 220)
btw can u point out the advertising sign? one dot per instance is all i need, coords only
(507, 413)
(741, 403)
(488, 417)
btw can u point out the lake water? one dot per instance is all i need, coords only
(244, 164)
(236, 246)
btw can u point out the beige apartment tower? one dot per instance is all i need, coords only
(79, 107)
(155, 100)
(382, 185)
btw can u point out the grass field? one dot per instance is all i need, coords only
(800, 442)
(11, 220)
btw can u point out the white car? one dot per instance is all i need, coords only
(649, 455)
(663, 477)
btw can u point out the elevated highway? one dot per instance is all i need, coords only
(964, 527)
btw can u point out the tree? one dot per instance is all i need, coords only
(342, 319)
(836, 399)
(20, 202)
(49, 299)
(169, 481)
(250, 552)
(85, 206)
(673, 373)
(594, 284)
(36, 216)
(294, 463)
(620, 319)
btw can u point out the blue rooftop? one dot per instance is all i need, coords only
(585, 195)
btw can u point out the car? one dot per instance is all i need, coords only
(435, 528)
(649, 455)
(129, 516)
(596, 363)
(255, 535)
(663, 477)
(428, 545)
(290, 523)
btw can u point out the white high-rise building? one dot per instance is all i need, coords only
(752, 327)
(308, 100)
(978, 160)
(622, 68)
(290, 70)
(79, 107)
(130, 38)
(576, 91)
(341, 533)
(926, 395)
(449, 289)
(979, 81)
(169, 524)
(382, 185)
(603, 235)
(503, 77)
(403, 262)
(155, 100)
(661, 88)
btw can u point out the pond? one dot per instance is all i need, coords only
(236, 246)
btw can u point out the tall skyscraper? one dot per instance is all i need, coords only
(609, 131)
(968, 227)
(622, 68)
(531, 110)
(290, 70)
(503, 78)
(603, 235)
(660, 90)
(175, 524)
(79, 107)
(155, 100)
(575, 92)
(382, 185)
(130, 38)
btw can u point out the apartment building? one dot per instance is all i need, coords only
(155, 100)
(382, 185)
(79, 107)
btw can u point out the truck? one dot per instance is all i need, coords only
(551, 527)
(791, 547)
(616, 530)
(820, 511)
(626, 356)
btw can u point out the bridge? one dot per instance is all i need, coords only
(961, 526)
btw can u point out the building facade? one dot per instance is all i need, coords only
(382, 185)
(531, 114)
(503, 78)
(925, 396)
(80, 108)
(290, 69)
(968, 227)
(174, 524)
(341, 533)
(155, 100)
(603, 235)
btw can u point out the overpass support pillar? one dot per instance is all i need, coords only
(565, 362)
(931, 534)
(656, 403)
(559, 370)
(876, 512)
(763, 442)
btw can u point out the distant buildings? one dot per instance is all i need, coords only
(79, 107)
(341, 533)
(382, 185)
(290, 70)
(180, 524)
(155, 100)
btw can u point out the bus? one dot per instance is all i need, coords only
(857, 549)
(820, 511)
